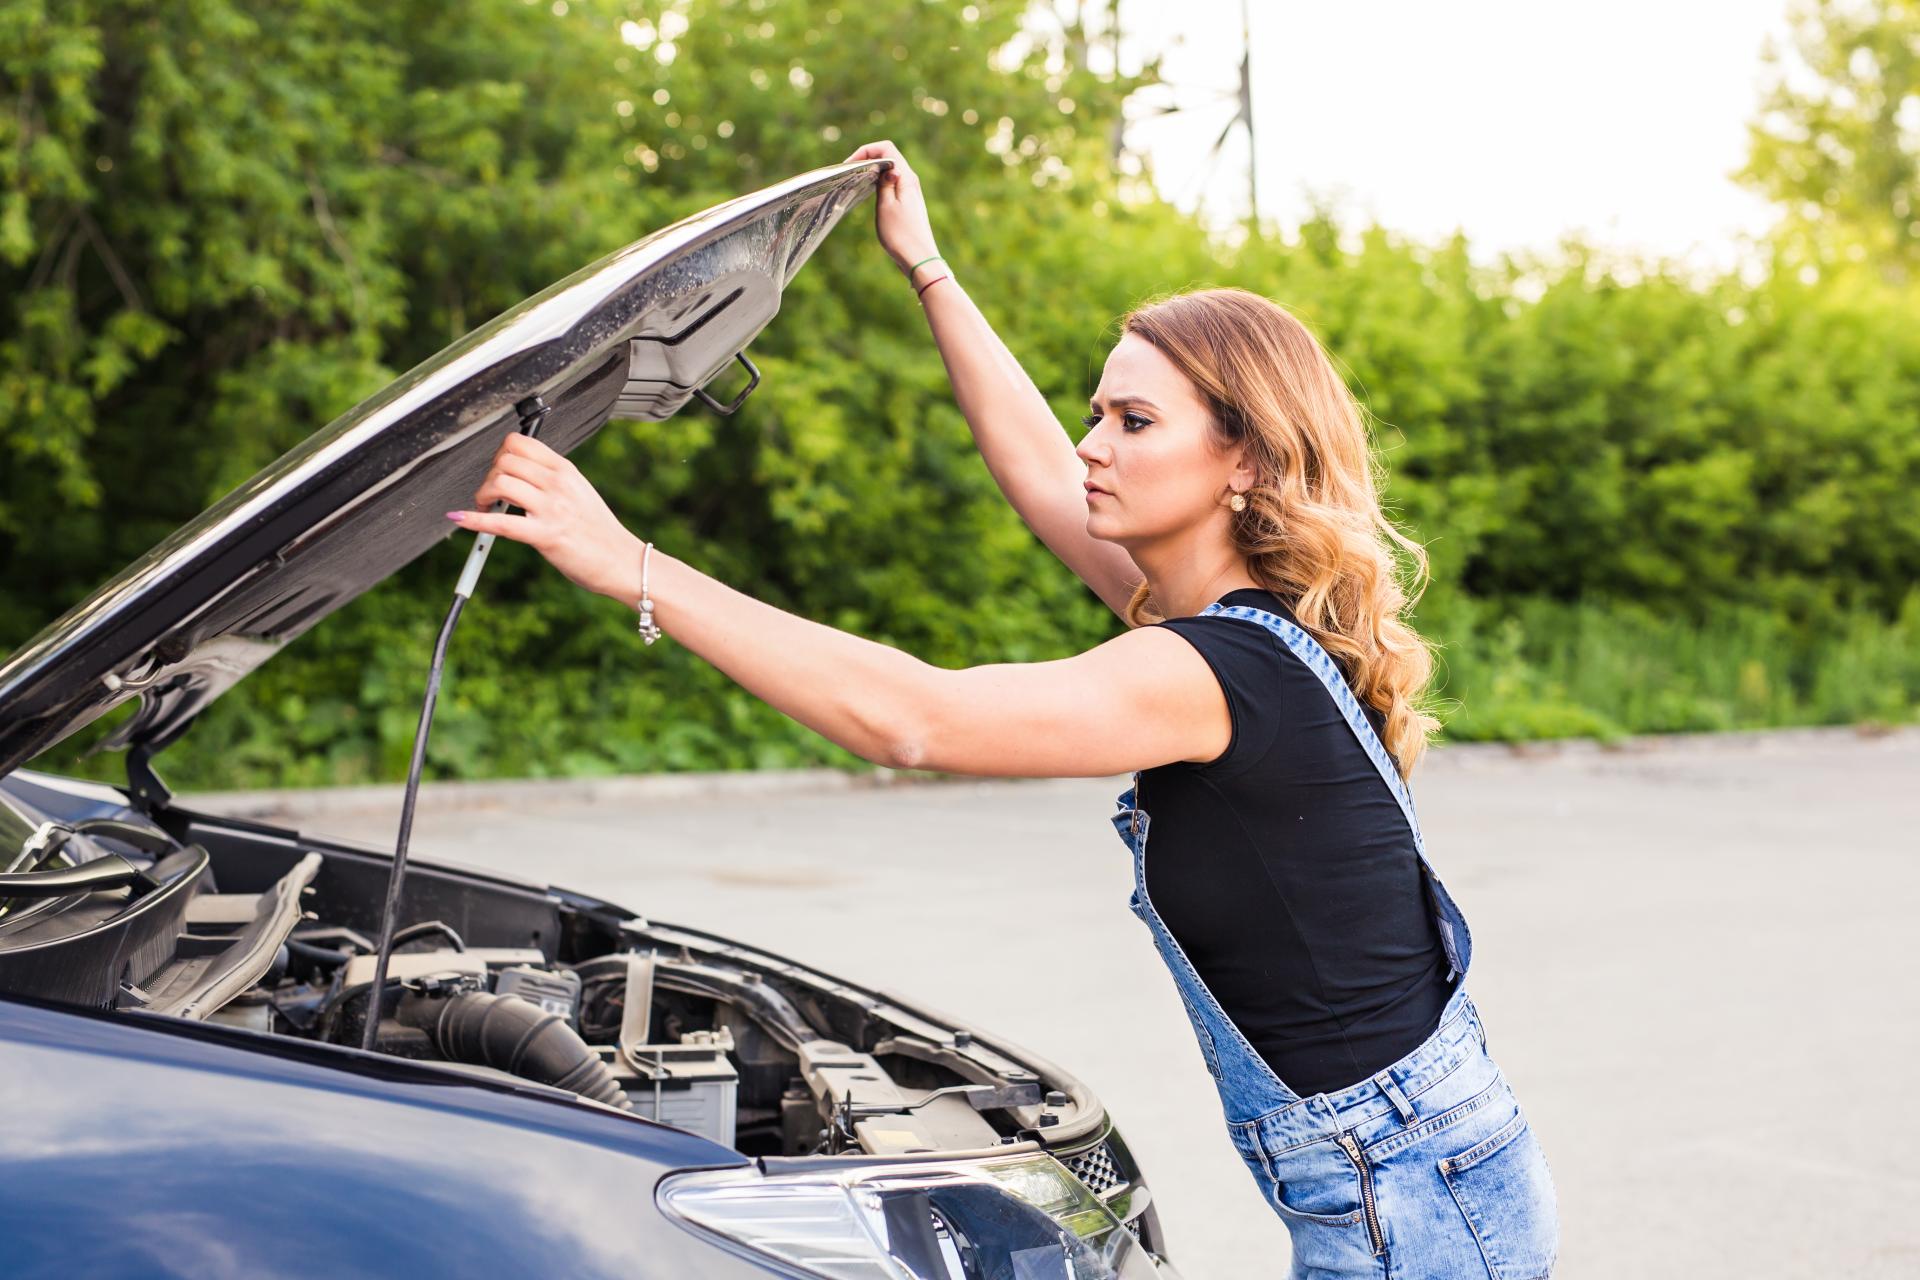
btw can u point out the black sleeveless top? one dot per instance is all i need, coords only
(1287, 873)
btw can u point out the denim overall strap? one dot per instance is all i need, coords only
(1454, 938)
(1247, 1085)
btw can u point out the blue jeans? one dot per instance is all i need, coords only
(1427, 1169)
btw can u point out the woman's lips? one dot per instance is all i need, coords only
(1094, 490)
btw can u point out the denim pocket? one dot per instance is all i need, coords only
(1315, 1192)
(1503, 1188)
(1314, 1183)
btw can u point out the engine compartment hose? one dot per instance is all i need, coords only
(516, 1036)
(426, 927)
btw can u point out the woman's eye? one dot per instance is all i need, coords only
(1128, 421)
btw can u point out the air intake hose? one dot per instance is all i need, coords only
(517, 1036)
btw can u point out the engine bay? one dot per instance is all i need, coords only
(667, 1030)
(272, 934)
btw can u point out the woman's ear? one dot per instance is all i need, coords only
(1244, 474)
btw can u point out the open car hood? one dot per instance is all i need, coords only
(635, 335)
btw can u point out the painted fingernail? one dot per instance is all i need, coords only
(456, 515)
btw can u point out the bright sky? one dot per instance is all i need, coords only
(1515, 120)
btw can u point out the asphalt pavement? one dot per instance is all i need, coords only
(1696, 958)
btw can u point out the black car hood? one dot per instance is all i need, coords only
(632, 336)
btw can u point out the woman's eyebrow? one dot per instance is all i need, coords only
(1094, 402)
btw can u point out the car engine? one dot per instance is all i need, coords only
(269, 933)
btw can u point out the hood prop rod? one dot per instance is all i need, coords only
(533, 410)
(148, 793)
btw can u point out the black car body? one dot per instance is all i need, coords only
(560, 1086)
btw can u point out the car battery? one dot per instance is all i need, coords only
(690, 1085)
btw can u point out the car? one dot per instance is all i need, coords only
(552, 1084)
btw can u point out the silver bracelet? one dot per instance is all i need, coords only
(648, 630)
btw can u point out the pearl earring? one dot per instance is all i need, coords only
(1238, 502)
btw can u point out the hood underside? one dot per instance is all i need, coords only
(635, 335)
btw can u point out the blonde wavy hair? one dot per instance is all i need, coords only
(1313, 530)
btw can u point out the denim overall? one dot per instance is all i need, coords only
(1427, 1169)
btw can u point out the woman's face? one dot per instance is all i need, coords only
(1152, 466)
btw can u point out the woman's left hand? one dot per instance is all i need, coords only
(566, 520)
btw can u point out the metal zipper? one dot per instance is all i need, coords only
(1367, 1207)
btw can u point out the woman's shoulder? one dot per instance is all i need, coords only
(1238, 632)
(1251, 665)
(1250, 631)
(1264, 678)
(1247, 648)
(1244, 597)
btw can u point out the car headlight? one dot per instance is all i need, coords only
(1023, 1216)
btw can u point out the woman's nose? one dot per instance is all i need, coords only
(1093, 449)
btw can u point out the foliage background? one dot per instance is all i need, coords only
(1653, 501)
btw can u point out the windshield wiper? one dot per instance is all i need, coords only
(110, 872)
(26, 874)
(46, 840)
(51, 837)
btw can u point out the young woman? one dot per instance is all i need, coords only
(1266, 700)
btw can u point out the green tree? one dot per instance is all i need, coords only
(1837, 141)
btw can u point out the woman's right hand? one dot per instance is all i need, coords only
(900, 211)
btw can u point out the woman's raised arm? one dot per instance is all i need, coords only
(1028, 453)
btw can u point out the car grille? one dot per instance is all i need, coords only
(1095, 1167)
